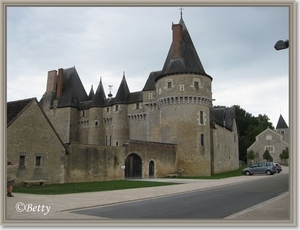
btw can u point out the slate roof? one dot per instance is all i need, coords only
(223, 117)
(123, 93)
(99, 97)
(15, 109)
(150, 83)
(281, 124)
(189, 61)
(73, 91)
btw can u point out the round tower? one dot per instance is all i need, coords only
(184, 98)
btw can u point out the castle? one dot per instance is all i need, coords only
(169, 127)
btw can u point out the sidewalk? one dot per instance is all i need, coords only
(59, 207)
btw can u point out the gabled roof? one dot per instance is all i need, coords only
(223, 116)
(189, 61)
(15, 109)
(73, 91)
(281, 124)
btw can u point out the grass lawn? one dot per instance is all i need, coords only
(53, 189)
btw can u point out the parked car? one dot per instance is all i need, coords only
(268, 168)
(279, 169)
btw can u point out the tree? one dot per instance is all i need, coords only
(267, 155)
(251, 155)
(249, 127)
(285, 154)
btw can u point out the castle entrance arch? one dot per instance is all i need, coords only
(151, 169)
(133, 166)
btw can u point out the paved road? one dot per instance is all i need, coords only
(216, 203)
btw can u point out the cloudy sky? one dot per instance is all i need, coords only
(234, 44)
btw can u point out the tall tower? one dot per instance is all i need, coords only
(283, 129)
(184, 99)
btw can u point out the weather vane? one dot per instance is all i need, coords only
(110, 87)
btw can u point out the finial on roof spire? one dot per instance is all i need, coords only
(181, 9)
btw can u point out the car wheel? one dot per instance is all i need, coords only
(268, 172)
(247, 173)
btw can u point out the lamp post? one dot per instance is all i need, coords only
(280, 45)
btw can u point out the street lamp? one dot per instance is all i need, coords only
(280, 45)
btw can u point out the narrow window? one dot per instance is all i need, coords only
(22, 160)
(202, 140)
(196, 85)
(116, 107)
(201, 118)
(169, 85)
(117, 143)
(107, 109)
(96, 123)
(150, 95)
(38, 160)
(137, 106)
(282, 132)
(83, 113)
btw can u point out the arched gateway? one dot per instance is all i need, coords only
(133, 166)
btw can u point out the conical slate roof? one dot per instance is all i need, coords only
(92, 94)
(186, 59)
(99, 97)
(123, 93)
(281, 123)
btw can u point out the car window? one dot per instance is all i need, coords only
(254, 166)
(260, 164)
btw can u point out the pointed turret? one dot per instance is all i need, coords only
(123, 93)
(99, 97)
(281, 124)
(182, 57)
(91, 94)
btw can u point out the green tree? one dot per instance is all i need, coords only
(249, 127)
(285, 154)
(251, 155)
(267, 155)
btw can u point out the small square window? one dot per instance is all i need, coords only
(181, 87)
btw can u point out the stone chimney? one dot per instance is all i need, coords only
(52, 80)
(177, 40)
(59, 82)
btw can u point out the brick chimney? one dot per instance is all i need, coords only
(59, 82)
(51, 82)
(177, 40)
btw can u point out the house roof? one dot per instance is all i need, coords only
(188, 62)
(281, 124)
(223, 116)
(15, 109)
